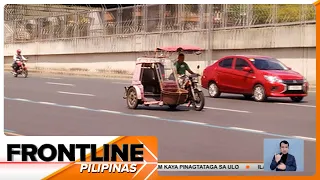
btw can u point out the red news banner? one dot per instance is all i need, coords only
(127, 157)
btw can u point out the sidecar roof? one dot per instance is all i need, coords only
(142, 60)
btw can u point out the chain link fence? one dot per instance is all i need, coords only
(31, 23)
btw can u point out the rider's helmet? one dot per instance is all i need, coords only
(18, 51)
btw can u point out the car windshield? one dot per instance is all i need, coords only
(268, 64)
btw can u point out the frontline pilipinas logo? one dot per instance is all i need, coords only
(127, 157)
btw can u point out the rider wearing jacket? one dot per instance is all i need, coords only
(17, 57)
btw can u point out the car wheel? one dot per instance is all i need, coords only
(213, 90)
(297, 99)
(259, 93)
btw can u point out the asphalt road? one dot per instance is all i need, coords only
(228, 129)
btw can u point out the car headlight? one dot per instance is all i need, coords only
(305, 80)
(273, 79)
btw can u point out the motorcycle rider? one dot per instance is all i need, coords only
(17, 57)
(181, 68)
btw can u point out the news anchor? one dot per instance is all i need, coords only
(283, 161)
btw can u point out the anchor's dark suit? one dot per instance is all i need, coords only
(290, 163)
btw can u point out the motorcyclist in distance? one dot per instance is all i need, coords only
(17, 57)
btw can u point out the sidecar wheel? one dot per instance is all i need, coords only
(132, 100)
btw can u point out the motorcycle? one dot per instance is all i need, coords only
(22, 70)
(195, 94)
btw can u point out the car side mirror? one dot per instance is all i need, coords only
(289, 68)
(198, 67)
(247, 69)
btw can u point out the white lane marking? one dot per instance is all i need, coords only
(172, 120)
(78, 107)
(305, 138)
(51, 78)
(62, 84)
(300, 105)
(312, 91)
(19, 99)
(49, 103)
(223, 109)
(120, 83)
(192, 122)
(71, 93)
(147, 116)
(12, 134)
(108, 111)
(244, 129)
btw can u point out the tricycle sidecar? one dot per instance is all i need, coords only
(155, 82)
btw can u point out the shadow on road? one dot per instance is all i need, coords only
(269, 100)
(163, 108)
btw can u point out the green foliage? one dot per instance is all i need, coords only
(269, 13)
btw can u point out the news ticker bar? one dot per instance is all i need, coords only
(210, 167)
(175, 166)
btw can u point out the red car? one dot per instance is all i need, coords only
(257, 76)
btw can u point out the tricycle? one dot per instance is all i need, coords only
(156, 82)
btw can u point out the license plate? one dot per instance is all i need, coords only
(295, 88)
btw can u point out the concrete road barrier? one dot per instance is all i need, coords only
(76, 72)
